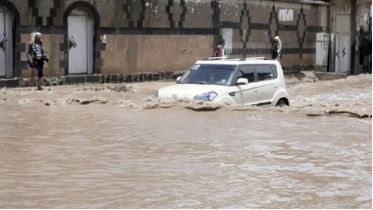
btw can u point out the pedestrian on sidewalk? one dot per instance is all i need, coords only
(36, 58)
(219, 50)
(276, 48)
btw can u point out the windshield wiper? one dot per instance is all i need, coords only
(201, 82)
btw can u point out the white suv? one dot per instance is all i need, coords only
(246, 81)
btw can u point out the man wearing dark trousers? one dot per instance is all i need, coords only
(36, 58)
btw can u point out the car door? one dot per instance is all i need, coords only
(267, 83)
(246, 94)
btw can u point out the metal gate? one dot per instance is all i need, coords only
(343, 44)
(6, 48)
(3, 59)
(77, 44)
(343, 53)
(80, 42)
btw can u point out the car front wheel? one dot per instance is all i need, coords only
(281, 103)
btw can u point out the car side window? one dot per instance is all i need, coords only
(247, 72)
(265, 72)
(274, 70)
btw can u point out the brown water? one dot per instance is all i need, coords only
(73, 147)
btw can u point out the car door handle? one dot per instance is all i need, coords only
(255, 90)
(275, 86)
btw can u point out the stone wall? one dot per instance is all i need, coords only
(169, 35)
(142, 53)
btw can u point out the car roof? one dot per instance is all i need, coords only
(238, 61)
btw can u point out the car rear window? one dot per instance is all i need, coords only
(266, 72)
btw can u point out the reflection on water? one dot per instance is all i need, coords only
(117, 155)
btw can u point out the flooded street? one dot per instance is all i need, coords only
(100, 146)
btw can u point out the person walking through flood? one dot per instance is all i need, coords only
(36, 58)
(276, 48)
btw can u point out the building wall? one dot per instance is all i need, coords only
(363, 14)
(169, 35)
(359, 13)
(364, 37)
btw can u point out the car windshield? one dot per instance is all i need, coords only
(208, 74)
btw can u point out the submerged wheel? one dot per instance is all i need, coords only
(281, 103)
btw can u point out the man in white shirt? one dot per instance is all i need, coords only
(276, 48)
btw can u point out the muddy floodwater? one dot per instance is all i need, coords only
(116, 146)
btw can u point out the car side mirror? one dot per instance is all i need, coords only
(178, 79)
(242, 81)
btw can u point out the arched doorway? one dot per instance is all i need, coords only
(80, 41)
(6, 43)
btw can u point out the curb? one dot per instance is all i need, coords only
(130, 78)
(330, 76)
(97, 78)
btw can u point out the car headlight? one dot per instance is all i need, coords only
(205, 96)
(156, 94)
